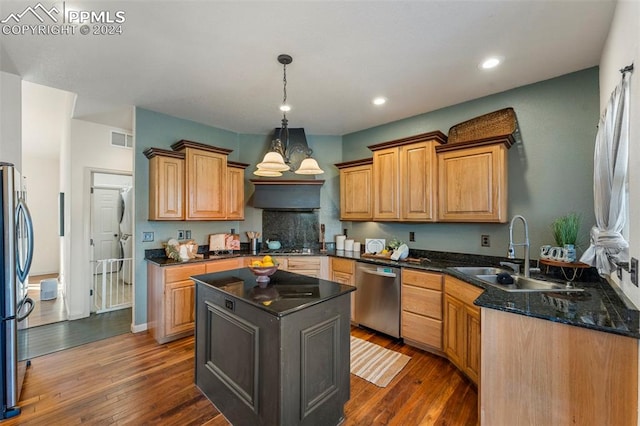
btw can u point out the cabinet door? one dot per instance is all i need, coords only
(472, 355)
(386, 188)
(454, 330)
(235, 192)
(473, 184)
(166, 188)
(205, 185)
(422, 329)
(355, 193)
(417, 168)
(179, 299)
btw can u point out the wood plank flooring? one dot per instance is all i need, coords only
(130, 379)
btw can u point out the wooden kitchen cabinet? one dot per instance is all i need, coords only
(205, 180)
(462, 326)
(422, 309)
(472, 181)
(166, 184)
(404, 178)
(195, 182)
(312, 266)
(356, 196)
(171, 296)
(547, 373)
(235, 190)
(343, 271)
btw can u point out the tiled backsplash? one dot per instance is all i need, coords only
(293, 229)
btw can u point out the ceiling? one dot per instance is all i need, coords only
(214, 62)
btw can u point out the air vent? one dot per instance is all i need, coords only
(124, 140)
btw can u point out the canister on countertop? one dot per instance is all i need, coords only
(356, 247)
(340, 242)
(348, 245)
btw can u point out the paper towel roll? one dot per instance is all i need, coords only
(340, 242)
(348, 245)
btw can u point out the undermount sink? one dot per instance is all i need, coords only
(489, 275)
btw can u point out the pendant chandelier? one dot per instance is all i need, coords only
(278, 159)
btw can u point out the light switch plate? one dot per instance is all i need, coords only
(181, 234)
(147, 237)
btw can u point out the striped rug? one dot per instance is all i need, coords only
(374, 363)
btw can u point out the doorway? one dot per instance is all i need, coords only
(111, 218)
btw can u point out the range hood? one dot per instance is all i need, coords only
(287, 194)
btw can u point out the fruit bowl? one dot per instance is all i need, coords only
(263, 272)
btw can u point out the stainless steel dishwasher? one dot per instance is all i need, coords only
(378, 298)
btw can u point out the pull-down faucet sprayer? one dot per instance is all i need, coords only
(512, 252)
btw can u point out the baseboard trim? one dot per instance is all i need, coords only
(137, 328)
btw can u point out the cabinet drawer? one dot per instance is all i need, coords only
(422, 329)
(422, 301)
(343, 265)
(225, 264)
(464, 292)
(342, 278)
(422, 279)
(181, 273)
(303, 263)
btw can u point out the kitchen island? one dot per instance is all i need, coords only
(275, 354)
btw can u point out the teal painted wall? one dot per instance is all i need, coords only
(160, 131)
(550, 172)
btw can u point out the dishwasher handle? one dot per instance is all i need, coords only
(379, 273)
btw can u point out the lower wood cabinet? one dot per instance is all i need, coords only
(546, 373)
(462, 326)
(343, 271)
(171, 296)
(421, 316)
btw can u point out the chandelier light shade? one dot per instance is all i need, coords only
(279, 157)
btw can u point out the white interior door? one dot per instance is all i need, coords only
(105, 228)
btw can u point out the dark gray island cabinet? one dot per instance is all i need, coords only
(273, 355)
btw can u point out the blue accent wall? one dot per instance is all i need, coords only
(550, 172)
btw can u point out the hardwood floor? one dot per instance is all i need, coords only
(45, 311)
(130, 379)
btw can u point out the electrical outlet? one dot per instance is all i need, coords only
(633, 272)
(485, 241)
(187, 234)
(345, 232)
(412, 236)
(181, 234)
(147, 237)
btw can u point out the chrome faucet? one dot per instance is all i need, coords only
(512, 252)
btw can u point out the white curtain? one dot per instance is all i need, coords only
(608, 246)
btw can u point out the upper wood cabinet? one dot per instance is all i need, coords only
(404, 178)
(195, 182)
(235, 190)
(166, 184)
(472, 180)
(356, 178)
(206, 180)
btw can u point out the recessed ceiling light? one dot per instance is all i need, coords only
(490, 63)
(379, 100)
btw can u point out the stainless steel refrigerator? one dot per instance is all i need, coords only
(16, 252)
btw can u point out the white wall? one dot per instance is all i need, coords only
(89, 150)
(43, 185)
(621, 49)
(11, 119)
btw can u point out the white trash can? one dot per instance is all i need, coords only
(49, 289)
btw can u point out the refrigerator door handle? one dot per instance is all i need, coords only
(23, 210)
(26, 301)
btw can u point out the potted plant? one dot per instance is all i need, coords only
(565, 232)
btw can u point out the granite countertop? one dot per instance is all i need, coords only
(599, 307)
(285, 294)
